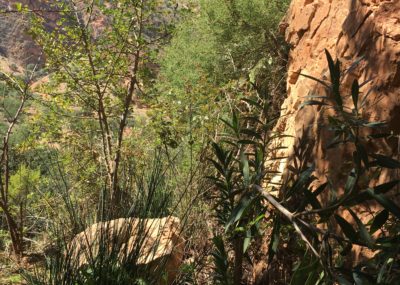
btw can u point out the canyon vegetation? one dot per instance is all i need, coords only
(200, 142)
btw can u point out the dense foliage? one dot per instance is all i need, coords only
(216, 49)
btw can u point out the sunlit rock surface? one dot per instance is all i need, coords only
(154, 244)
(349, 30)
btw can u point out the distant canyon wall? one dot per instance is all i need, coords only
(16, 45)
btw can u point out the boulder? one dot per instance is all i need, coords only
(153, 244)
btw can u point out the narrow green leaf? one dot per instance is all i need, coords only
(347, 228)
(313, 103)
(215, 179)
(337, 70)
(252, 102)
(374, 124)
(255, 119)
(219, 152)
(364, 196)
(363, 154)
(247, 142)
(379, 221)
(302, 181)
(315, 79)
(357, 160)
(303, 271)
(320, 189)
(312, 278)
(385, 187)
(247, 240)
(379, 136)
(364, 234)
(334, 70)
(273, 244)
(383, 270)
(385, 161)
(385, 202)
(218, 166)
(245, 169)
(238, 211)
(257, 219)
(235, 122)
(351, 182)
(331, 65)
(312, 199)
(355, 91)
(251, 132)
(228, 124)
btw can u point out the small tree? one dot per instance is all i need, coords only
(15, 228)
(102, 54)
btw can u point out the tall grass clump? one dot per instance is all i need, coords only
(117, 251)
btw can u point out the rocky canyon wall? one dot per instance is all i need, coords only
(16, 45)
(364, 31)
(349, 30)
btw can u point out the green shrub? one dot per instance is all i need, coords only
(213, 51)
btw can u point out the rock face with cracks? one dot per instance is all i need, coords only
(351, 30)
(367, 31)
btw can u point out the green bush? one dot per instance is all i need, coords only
(214, 50)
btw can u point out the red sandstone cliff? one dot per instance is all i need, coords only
(348, 29)
(16, 46)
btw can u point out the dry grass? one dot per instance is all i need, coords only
(9, 271)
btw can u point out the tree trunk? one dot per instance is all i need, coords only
(16, 238)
